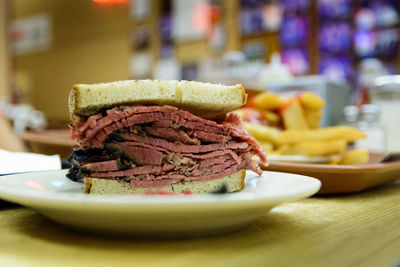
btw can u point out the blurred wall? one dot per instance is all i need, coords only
(4, 55)
(90, 44)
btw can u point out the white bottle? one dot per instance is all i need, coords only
(369, 124)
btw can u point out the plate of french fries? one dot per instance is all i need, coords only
(289, 131)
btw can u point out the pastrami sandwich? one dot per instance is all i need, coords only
(143, 135)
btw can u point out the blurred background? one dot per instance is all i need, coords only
(346, 51)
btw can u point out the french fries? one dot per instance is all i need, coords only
(293, 128)
(312, 105)
(267, 146)
(267, 100)
(313, 118)
(293, 116)
(355, 157)
(263, 133)
(270, 116)
(311, 101)
(347, 133)
(317, 148)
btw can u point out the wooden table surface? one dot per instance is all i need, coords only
(345, 230)
(49, 142)
(60, 137)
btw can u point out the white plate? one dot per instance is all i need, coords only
(56, 197)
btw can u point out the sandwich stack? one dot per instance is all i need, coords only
(146, 135)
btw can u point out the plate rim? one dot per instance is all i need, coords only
(248, 199)
(377, 167)
(344, 179)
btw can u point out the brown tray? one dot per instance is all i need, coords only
(345, 178)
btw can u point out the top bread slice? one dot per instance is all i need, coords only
(204, 99)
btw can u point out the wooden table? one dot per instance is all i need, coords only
(49, 142)
(345, 230)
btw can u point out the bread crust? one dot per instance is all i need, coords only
(204, 99)
(243, 176)
(87, 185)
(99, 186)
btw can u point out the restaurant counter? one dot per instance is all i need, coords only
(360, 229)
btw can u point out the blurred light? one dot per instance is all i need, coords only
(296, 60)
(201, 17)
(272, 17)
(205, 17)
(336, 68)
(334, 9)
(294, 30)
(34, 184)
(387, 79)
(110, 2)
(364, 43)
(335, 37)
(365, 19)
(56, 183)
(386, 16)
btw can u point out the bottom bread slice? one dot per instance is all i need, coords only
(102, 186)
